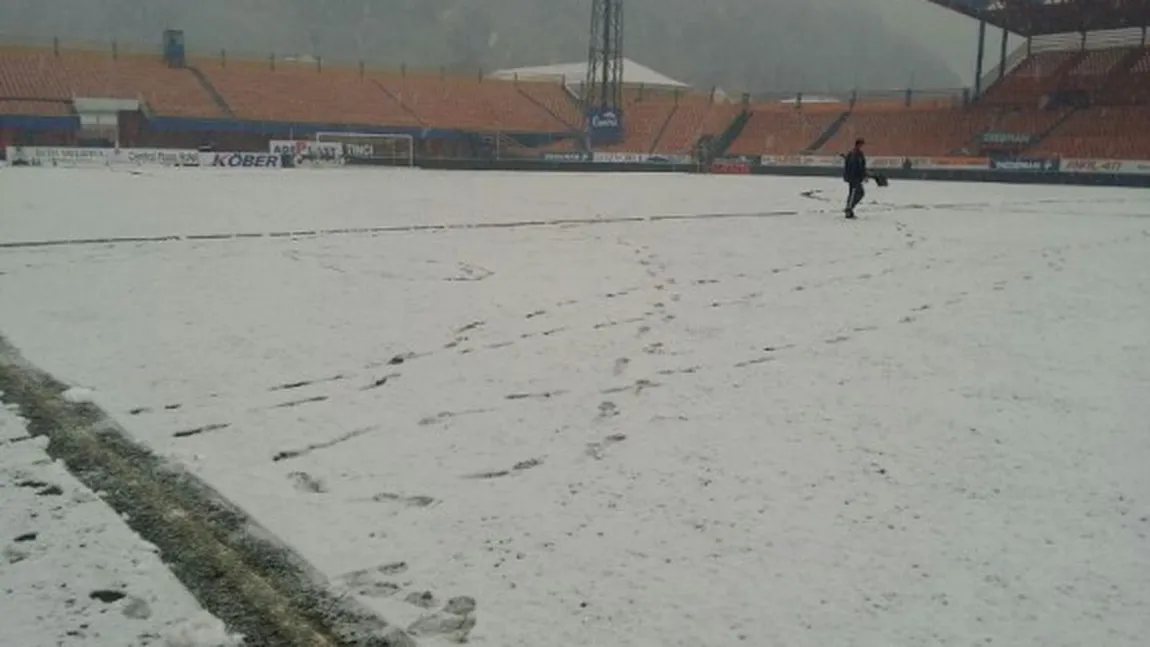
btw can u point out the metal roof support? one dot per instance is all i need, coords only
(979, 58)
(1002, 54)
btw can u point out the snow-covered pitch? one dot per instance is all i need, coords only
(631, 410)
(72, 573)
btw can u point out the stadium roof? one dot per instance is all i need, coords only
(1043, 17)
(574, 73)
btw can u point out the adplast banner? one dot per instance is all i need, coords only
(308, 153)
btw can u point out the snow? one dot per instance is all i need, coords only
(756, 424)
(77, 394)
(71, 571)
(201, 630)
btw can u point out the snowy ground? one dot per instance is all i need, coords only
(924, 427)
(71, 572)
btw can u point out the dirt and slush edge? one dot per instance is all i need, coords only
(236, 570)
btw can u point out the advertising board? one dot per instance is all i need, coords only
(731, 167)
(570, 156)
(620, 158)
(1110, 167)
(605, 125)
(666, 158)
(156, 157)
(74, 157)
(950, 163)
(885, 162)
(802, 160)
(241, 160)
(1025, 164)
(304, 152)
(51, 156)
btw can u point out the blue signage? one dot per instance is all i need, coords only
(605, 125)
(1024, 164)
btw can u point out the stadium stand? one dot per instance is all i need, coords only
(693, 117)
(27, 73)
(904, 131)
(469, 104)
(1069, 99)
(40, 74)
(34, 108)
(1128, 82)
(645, 116)
(784, 129)
(1097, 64)
(1114, 132)
(553, 98)
(1037, 75)
(299, 93)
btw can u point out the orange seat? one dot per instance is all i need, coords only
(298, 93)
(35, 108)
(555, 99)
(695, 116)
(784, 129)
(643, 118)
(471, 104)
(42, 74)
(1117, 132)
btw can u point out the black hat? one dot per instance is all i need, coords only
(860, 141)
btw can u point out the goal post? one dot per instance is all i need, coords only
(386, 149)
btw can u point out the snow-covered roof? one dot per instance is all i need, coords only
(811, 99)
(574, 73)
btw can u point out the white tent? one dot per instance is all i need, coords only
(573, 74)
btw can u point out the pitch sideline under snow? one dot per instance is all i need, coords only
(926, 426)
(71, 571)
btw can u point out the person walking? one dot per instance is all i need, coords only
(854, 174)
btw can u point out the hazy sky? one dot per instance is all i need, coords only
(949, 33)
(951, 36)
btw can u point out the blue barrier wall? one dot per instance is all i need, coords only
(287, 129)
(26, 122)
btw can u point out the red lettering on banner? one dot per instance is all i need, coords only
(731, 168)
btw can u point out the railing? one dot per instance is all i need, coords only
(909, 97)
(1132, 37)
(991, 76)
(115, 49)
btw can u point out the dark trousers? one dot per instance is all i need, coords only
(855, 195)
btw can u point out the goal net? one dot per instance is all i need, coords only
(372, 148)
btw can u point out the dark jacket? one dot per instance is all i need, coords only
(854, 166)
